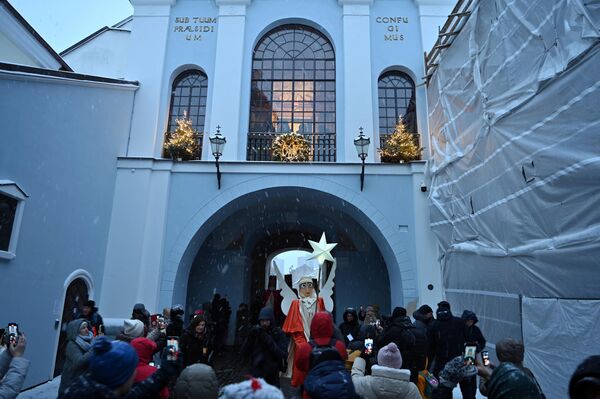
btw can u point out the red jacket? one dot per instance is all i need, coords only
(145, 348)
(321, 331)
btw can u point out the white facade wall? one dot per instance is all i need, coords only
(369, 38)
(61, 138)
(11, 53)
(106, 55)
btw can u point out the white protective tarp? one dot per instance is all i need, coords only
(514, 172)
(555, 333)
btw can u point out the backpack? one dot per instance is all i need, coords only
(328, 377)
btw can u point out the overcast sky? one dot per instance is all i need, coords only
(63, 23)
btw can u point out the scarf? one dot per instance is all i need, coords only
(84, 343)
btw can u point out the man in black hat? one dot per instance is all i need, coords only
(89, 312)
(447, 337)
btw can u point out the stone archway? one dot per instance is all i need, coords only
(231, 260)
(180, 256)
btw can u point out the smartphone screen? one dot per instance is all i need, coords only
(172, 348)
(154, 320)
(470, 351)
(368, 345)
(485, 357)
(13, 332)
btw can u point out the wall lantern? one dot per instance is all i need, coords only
(362, 148)
(217, 144)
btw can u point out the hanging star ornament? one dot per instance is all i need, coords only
(322, 250)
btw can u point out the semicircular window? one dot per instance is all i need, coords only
(396, 91)
(293, 90)
(188, 100)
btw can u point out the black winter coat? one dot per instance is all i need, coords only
(266, 352)
(175, 327)
(424, 325)
(400, 331)
(447, 339)
(350, 328)
(473, 333)
(195, 349)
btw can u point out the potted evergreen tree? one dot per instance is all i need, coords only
(400, 146)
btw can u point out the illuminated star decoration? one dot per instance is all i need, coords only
(321, 250)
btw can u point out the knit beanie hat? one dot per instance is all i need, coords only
(424, 309)
(133, 328)
(444, 305)
(112, 363)
(255, 388)
(389, 356)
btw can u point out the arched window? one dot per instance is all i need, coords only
(293, 90)
(188, 97)
(396, 99)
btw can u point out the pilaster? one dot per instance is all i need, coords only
(148, 45)
(358, 85)
(226, 98)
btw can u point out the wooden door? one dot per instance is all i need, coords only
(76, 296)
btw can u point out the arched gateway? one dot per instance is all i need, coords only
(224, 246)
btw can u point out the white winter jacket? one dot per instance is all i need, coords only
(384, 382)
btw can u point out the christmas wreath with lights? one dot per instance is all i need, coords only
(290, 147)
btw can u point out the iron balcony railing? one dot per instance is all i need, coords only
(259, 148)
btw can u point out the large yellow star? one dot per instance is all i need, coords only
(321, 250)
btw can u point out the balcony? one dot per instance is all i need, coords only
(322, 146)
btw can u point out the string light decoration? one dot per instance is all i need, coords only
(183, 142)
(290, 147)
(401, 146)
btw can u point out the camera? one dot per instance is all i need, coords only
(423, 187)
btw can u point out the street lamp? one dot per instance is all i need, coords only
(362, 148)
(217, 144)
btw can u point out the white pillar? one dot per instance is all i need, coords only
(428, 266)
(433, 15)
(358, 84)
(147, 49)
(227, 86)
(133, 265)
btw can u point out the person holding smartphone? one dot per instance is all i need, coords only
(196, 343)
(13, 367)
(473, 337)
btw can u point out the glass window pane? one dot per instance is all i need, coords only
(295, 77)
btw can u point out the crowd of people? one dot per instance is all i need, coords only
(367, 356)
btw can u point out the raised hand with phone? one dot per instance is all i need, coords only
(13, 366)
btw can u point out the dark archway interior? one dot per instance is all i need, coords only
(232, 259)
